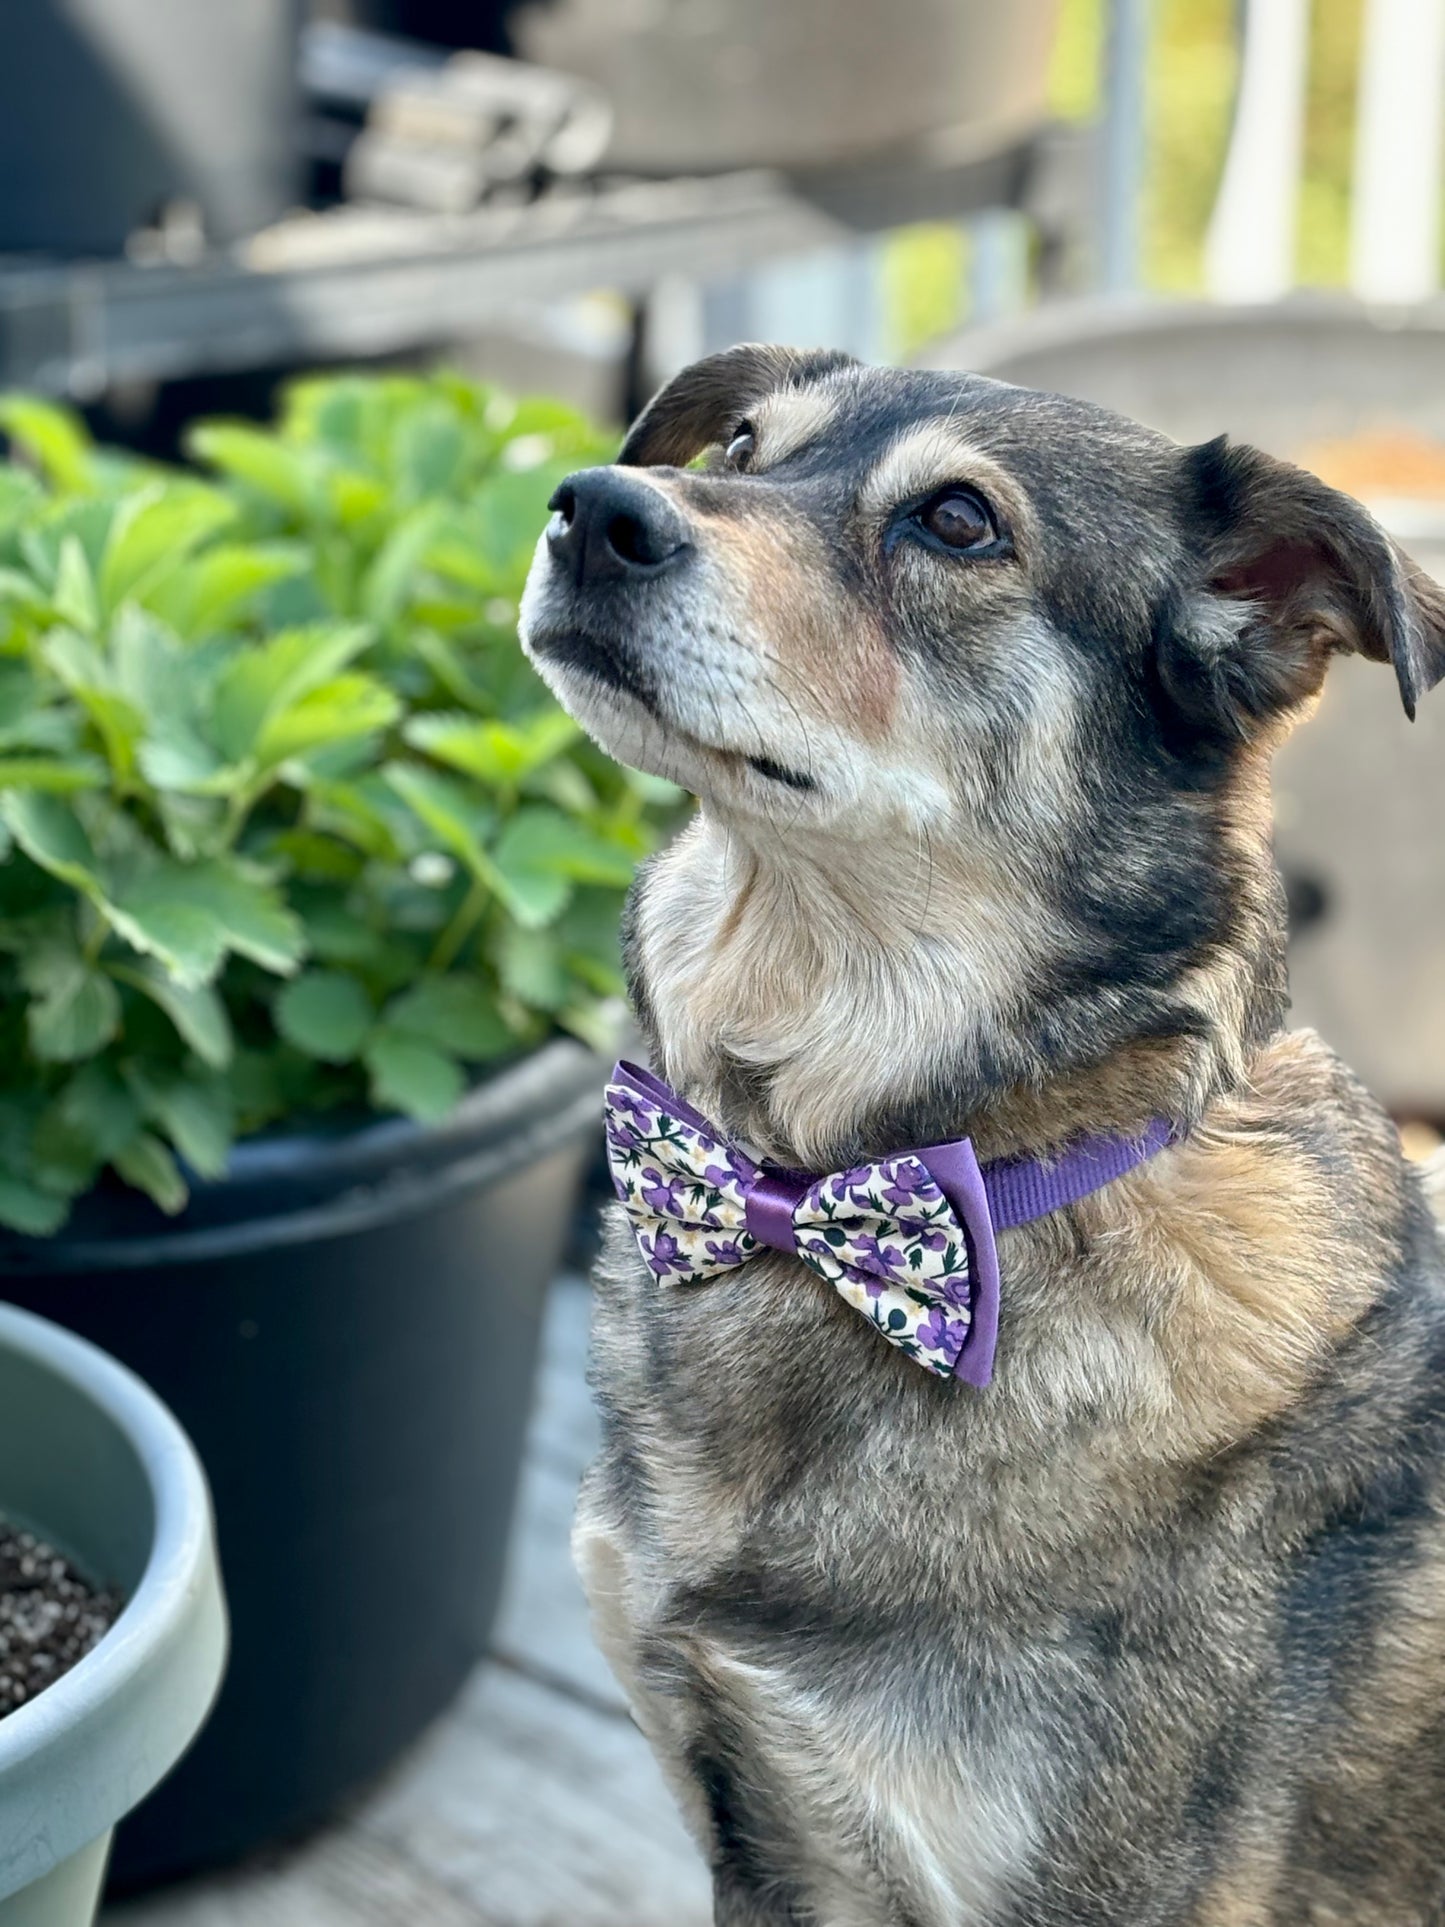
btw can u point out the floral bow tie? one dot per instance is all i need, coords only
(907, 1241)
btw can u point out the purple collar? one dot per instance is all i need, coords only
(909, 1241)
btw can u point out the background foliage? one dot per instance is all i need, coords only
(287, 822)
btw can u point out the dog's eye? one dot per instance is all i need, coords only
(740, 448)
(958, 519)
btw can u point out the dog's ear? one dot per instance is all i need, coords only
(699, 406)
(1293, 572)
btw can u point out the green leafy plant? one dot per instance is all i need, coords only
(287, 822)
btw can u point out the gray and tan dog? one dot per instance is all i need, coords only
(979, 689)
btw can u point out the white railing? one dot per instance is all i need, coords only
(1395, 208)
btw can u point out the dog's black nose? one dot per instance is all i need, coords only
(608, 526)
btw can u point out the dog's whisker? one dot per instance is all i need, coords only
(771, 664)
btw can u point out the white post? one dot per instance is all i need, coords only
(1122, 154)
(1249, 254)
(1395, 216)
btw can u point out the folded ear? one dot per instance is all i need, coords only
(702, 404)
(1293, 571)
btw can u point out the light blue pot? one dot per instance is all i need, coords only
(93, 1462)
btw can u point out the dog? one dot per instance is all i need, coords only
(978, 689)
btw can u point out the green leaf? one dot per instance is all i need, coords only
(538, 838)
(355, 498)
(563, 783)
(82, 1128)
(167, 688)
(54, 437)
(455, 1014)
(430, 449)
(196, 1011)
(87, 518)
(76, 1015)
(211, 590)
(530, 965)
(84, 671)
(384, 587)
(74, 595)
(256, 1088)
(587, 931)
(494, 752)
(16, 587)
(265, 682)
(344, 708)
(20, 496)
(509, 512)
(52, 835)
(336, 934)
(48, 773)
(315, 858)
(563, 428)
(325, 1013)
(412, 1076)
(458, 821)
(599, 1026)
(28, 1210)
(148, 1165)
(20, 703)
(264, 463)
(194, 1108)
(189, 915)
(364, 814)
(456, 557)
(154, 531)
(534, 896)
(160, 919)
(541, 853)
(332, 409)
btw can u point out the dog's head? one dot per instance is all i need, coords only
(883, 605)
(818, 590)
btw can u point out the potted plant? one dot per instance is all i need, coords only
(95, 1464)
(307, 950)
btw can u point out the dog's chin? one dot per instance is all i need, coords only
(610, 694)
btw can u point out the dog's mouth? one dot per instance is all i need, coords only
(609, 661)
(793, 779)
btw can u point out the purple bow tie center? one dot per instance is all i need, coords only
(772, 1198)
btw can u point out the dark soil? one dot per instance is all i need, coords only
(50, 1617)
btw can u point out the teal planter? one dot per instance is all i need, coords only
(95, 1464)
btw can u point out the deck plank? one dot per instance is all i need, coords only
(543, 1812)
(542, 1624)
(564, 1421)
(342, 1879)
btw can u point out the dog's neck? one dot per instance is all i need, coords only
(824, 1000)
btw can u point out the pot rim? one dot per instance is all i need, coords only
(1084, 320)
(312, 1181)
(112, 1726)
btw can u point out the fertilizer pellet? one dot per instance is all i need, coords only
(50, 1617)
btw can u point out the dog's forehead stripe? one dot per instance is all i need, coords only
(921, 458)
(790, 418)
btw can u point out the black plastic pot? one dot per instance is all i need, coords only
(347, 1327)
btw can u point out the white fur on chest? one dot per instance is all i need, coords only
(836, 974)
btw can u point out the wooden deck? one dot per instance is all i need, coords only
(534, 1802)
